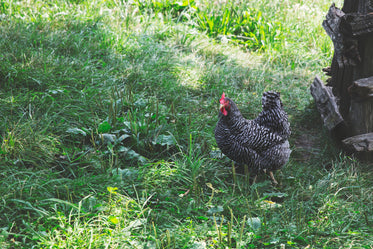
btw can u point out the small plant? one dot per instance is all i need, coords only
(174, 8)
(245, 27)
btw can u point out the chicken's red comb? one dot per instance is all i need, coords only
(222, 98)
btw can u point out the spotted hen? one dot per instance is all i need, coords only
(261, 143)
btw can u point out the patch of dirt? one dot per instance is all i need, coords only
(305, 147)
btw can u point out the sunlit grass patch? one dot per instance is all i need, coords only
(107, 135)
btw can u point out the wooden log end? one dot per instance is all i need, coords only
(359, 143)
(361, 89)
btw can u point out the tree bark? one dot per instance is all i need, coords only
(361, 108)
(326, 104)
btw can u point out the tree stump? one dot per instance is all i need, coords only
(346, 102)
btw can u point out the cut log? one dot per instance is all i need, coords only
(326, 104)
(346, 103)
(362, 89)
(360, 143)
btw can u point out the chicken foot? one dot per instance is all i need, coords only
(270, 173)
(273, 178)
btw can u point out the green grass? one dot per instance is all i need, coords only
(108, 110)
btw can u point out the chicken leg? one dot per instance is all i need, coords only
(273, 178)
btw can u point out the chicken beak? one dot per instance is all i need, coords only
(223, 110)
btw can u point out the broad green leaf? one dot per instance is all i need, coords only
(104, 127)
(165, 140)
(76, 131)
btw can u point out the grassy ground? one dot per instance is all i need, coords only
(108, 110)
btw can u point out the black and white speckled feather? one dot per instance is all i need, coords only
(273, 115)
(260, 143)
